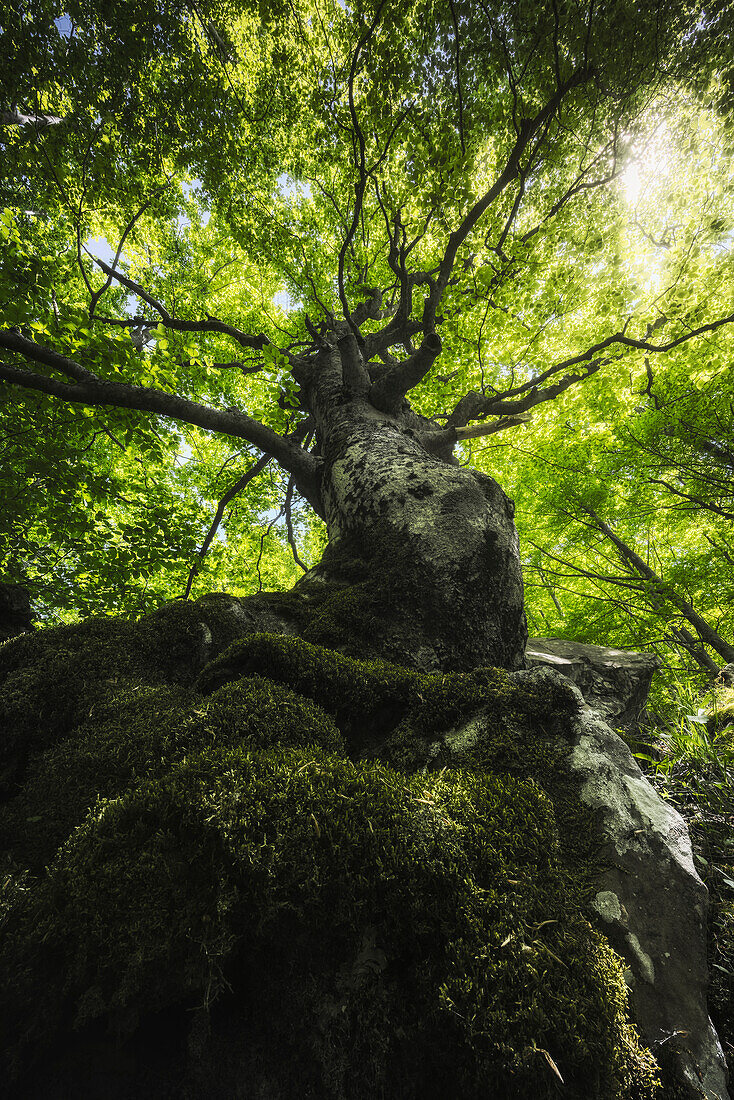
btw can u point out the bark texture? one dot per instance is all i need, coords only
(424, 552)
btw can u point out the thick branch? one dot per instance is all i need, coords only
(354, 373)
(387, 393)
(375, 343)
(13, 341)
(438, 441)
(527, 131)
(17, 118)
(475, 406)
(496, 426)
(628, 342)
(210, 325)
(286, 452)
(371, 307)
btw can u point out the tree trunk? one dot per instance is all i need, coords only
(423, 551)
(705, 631)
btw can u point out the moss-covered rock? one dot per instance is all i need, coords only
(425, 924)
(713, 839)
(52, 680)
(346, 928)
(137, 735)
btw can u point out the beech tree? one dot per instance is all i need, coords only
(287, 287)
(343, 240)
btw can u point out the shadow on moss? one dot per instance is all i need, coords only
(315, 926)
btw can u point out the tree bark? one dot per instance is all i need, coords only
(427, 549)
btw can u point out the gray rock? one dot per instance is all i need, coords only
(651, 905)
(615, 682)
(726, 675)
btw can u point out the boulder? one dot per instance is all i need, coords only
(652, 906)
(614, 682)
(648, 900)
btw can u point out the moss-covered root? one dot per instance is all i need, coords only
(419, 935)
(382, 708)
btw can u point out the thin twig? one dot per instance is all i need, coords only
(289, 524)
(231, 493)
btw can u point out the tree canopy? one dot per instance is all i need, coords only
(303, 290)
(520, 215)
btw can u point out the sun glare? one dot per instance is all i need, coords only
(645, 178)
(632, 184)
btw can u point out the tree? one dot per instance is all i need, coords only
(637, 523)
(515, 130)
(347, 242)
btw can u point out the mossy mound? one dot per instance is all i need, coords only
(137, 735)
(309, 925)
(395, 711)
(52, 680)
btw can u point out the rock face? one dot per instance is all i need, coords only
(652, 907)
(615, 682)
(15, 611)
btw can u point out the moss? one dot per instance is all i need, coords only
(409, 720)
(350, 690)
(721, 959)
(713, 847)
(367, 695)
(350, 606)
(50, 681)
(139, 734)
(405, 913)
(382, 927)
(372, 598)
